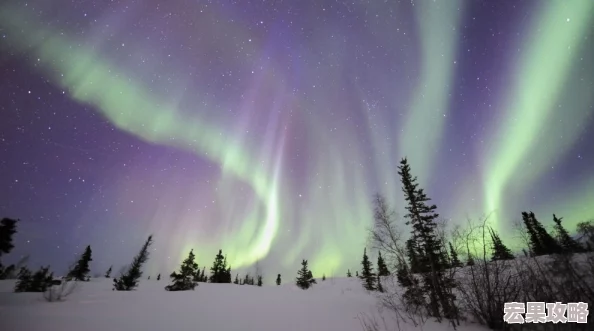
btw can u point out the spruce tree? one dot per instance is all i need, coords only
(108, 272)
(236, 282)
(349, 273)
(500, 251)
(260, 280)
(278, 279)
(304, 276)
(323, 277)
(129, 280)
(454, 256)
(219, 272)
(203, 277)
(367, 274)
(81, 269)
(382, 268)
(312, 280)
(413, 294)
(185, 279)
(430, 250)
(356, 273)
(7, 230)
(568, 244)
(551, 246)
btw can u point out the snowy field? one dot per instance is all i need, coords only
(334, 304)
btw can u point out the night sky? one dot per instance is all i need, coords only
(265, 127)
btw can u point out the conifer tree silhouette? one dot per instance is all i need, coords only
(185, 279)
(129, 280)
(81, 269)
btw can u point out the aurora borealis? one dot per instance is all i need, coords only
(265, 127)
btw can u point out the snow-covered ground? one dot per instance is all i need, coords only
(331, 305)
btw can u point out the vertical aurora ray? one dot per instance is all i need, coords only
(127, 106)
(551, 46)
(422, 130)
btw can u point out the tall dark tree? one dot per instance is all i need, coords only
(541, 242)
(219, 272)
(8, 227)
(236, 281)
(382, 268)
(356, 273)
(108, 272)
(203, 277)
(455, 261)
(129, 280)
(323, 277)
(421, 216)
(260, 280)
(304, 276)
(413, 293)
(500, 251)
(81, 269)
(367, 274)
(349, 273)
(278, 279)
(185, 279)
(568, 244)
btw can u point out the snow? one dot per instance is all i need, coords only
(334, 304)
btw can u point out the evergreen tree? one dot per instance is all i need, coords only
(278, 279)
(81, 269)
(413, 294)
(23, 280)
(323, 277)
(260, 280)
(7, 231)
(568, 244)
(356, 273)
(304, 276)
(219, 272)
(429, 249)
(551, 246)
(236, 279)
(454, 256)
(367, 274)
(246, 280)
(129, 280)
(203, 277)
(500, 251)
(382, 268)
(159, 277)
(536, 247)
(349, 273)
(108, 272)
(185, 279)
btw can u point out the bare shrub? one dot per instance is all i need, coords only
(59, 292)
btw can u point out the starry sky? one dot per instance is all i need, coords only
(265, 127)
